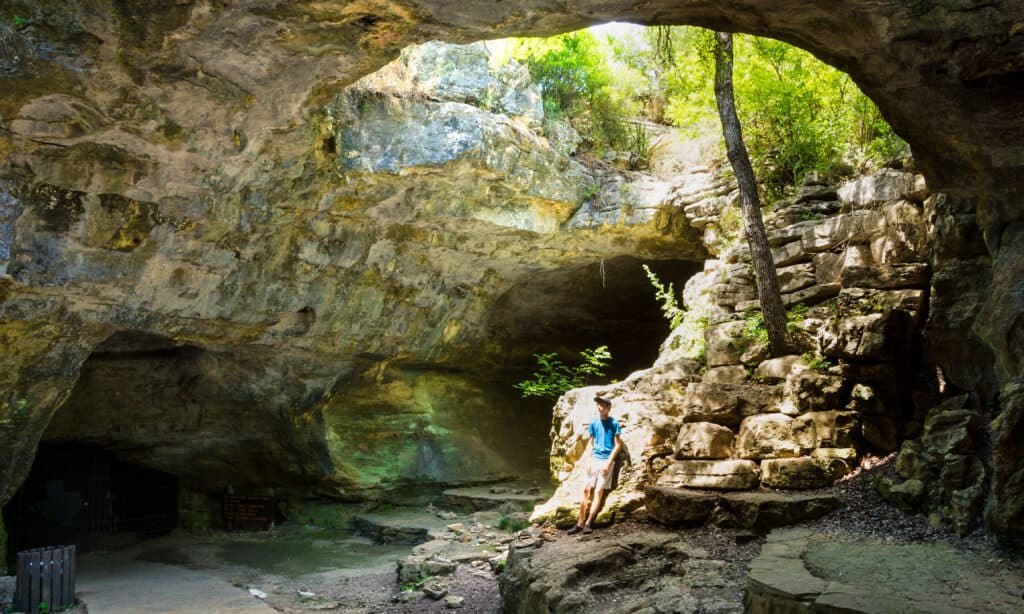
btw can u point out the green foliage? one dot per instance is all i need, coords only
(688, 324)
(869, 305)
(818, 363)
(795, 317)
(754, 327)
(642, 147)
(512, 524)
(554, 378)
(798, 114)
(578, 85)
(667, 297)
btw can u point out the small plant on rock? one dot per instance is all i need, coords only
(795, 317)
(510, 523)
(554, 378)
(813, 361)
(754, 327)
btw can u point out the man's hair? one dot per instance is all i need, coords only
(602, 400)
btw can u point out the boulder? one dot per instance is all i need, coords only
(789, 253)
(886, 276)
(1004, 511)
(877, 188)
(704, 440)
(777, 368)
(804, 472)
(680, 507)
(726, 345)
(717, 475)
(949, 428)
(762, 512)
(858, 337)
(812, 390)
(907, 496)
(796, 277)
(727, 404)
(825, 429)
(733, 374)
(915, 463)
(767, 436)
(758, 511)
(853, 227)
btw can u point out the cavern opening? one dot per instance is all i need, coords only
(609, 302)
(81, 494)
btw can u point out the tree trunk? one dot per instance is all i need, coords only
(768, 293)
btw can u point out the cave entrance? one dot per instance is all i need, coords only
(609, 302)
(82, 494)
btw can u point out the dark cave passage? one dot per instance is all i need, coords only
(603, 303)
(82, 494)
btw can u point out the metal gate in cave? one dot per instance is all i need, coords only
(81, 494)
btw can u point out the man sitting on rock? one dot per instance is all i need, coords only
(607, 440)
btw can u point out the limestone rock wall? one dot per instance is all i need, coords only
(198, 132)
(337, 322)
(720, 415)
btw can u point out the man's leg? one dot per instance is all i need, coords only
(595, 506)
(584, 506)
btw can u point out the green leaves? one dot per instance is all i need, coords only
(554, 378)
(667, 297)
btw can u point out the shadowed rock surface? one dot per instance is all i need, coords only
(180, 172)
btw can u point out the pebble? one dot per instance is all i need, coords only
(454, 602)
(257, 593)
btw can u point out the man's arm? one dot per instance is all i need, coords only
(611, 457)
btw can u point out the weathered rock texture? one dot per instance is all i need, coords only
(732, 418)
(645, 570)
(173, 169)
(336, 309)
(800, 571)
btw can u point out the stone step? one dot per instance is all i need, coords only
(800, 571)
(401, 526)
(477, 498)
(757, 511)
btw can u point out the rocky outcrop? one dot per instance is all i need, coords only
(742, 420)
(301, 326)
(799, 570)
(645, 568)
(210, 120)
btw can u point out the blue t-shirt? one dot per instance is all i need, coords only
(604, 433)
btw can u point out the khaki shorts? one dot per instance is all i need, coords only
(594, 477)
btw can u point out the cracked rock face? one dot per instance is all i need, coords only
(175, 171)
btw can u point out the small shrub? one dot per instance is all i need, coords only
(869, 305)
(813, 361)
(754, 327)
(642, 147)
(512, 524)
(554, 378)
(667, 297)
(795, 317)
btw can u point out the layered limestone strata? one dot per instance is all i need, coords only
(721, 415)
(204, 126)
(351, 332)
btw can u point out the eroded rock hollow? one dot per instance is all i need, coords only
(200, 198)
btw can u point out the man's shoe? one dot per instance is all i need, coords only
(575, 529)
(587, 529)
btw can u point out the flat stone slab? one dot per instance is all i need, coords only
(401, 526)
(477, 498)
(757, 511)
(801, 571)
